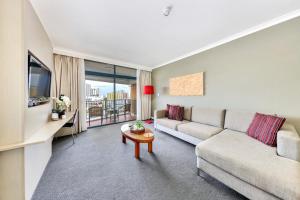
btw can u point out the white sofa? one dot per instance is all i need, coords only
(248, 166)
(199, 124)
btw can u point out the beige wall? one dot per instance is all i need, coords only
(12, 71)
(20, 31)
(12, 98)
(12, 175)
(38, 42)
(260, 72)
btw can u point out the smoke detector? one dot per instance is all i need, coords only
(167, 10)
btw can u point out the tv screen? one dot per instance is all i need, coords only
(39, 81)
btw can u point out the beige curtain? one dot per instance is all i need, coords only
(69, 80)
(143, 101)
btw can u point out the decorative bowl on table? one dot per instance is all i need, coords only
(137, 128)
(137, 131)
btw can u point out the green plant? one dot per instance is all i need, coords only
(139, 124)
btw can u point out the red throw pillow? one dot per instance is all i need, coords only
(180, 114)
(265, 127)
(176, 113)
(167, 110)
(172, 111)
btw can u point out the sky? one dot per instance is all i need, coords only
(106, 87)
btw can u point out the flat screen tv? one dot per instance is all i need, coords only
(39, 81)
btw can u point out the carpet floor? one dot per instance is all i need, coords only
(100, 167)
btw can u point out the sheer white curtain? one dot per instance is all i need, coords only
(143, 101)
(70, 80)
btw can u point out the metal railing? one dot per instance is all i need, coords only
(122, 107)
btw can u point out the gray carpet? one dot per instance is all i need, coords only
(99, 166)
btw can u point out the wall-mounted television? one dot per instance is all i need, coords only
(39, 81)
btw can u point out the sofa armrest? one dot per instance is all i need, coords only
(159, 114)
(288, 144)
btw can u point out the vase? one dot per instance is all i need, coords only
(61, 113)
(54, 116)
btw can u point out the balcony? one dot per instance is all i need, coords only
(102, 112)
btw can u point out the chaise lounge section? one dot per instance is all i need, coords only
(250, 167)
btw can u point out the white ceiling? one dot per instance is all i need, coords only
(135, 31)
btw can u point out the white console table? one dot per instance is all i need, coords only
(41, 135)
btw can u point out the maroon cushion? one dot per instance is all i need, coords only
(176, 112)
(167, 110)
(265, 127)
(172, 111)
(180, 114)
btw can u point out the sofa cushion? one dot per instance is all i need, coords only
(169, 123)
(253, 162)
(288, 143)
(159, 114)
(167, 110)
(238, 120)
(187, 113)
(214, 117)
(198, 130)
(265, 127)
(176, 113)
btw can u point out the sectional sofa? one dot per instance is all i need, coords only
(227, 153)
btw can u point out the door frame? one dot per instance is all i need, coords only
(114, 76)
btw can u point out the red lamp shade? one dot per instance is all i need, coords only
(148, 89)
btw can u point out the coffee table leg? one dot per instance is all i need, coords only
(137, 150)
(150, 147)
(123, 139)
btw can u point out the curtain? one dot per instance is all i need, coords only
(69, 80)
(143, 101)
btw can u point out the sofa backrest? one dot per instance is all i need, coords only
(238, 120)
(187, 113)
(214, 117)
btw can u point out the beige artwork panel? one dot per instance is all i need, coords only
(188, 85)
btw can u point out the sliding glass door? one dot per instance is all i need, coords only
(125, 99)
(110, 94)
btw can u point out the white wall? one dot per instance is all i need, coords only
(38, 42)
(12, 175)
(36, 160)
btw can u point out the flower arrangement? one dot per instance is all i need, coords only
(61, 104)
(139, 125)
(137, 128)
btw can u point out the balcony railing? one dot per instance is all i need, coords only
(103, 110)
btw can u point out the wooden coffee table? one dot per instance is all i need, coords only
(146, 137)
